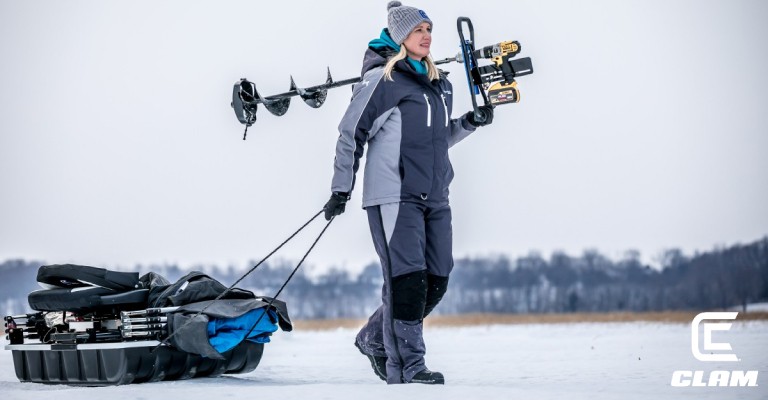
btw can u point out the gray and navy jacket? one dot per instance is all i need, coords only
(407, 126)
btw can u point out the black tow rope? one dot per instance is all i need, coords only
(272, 300)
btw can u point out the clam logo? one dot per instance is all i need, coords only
(708, 328)
(683, 378)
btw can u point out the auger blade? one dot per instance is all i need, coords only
(313, 98)
(244, 101)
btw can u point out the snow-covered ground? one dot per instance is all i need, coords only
(548, 361)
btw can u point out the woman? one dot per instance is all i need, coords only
(401, 109)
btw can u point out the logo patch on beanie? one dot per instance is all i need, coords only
(423, 14)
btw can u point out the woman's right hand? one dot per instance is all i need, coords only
(335, 205)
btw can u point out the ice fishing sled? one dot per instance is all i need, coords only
(96, 327)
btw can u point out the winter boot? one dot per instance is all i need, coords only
(428, 377)
(379, 364)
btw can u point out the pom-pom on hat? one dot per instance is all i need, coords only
(403, 19)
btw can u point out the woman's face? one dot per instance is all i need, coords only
(418, 41)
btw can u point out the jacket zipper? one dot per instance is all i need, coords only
(445, 107)
(429, 110)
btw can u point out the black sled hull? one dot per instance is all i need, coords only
(122, 363)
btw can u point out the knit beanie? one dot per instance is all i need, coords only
(403, 19)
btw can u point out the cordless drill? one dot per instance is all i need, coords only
(505, 91)
(498, 79)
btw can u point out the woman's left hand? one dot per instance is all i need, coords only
(485, 117)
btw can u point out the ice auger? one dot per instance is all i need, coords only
(495, 82)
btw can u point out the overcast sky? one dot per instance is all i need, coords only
(644, 126)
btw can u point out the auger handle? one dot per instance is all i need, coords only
(470, 64)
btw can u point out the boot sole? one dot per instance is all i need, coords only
(429, 382)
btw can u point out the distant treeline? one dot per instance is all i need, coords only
(717, 279)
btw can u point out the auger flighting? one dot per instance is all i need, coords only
(495, 82)
(245, 98)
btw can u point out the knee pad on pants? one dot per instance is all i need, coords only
(409, 296)
(436, 288)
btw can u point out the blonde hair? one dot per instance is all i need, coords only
(432, 72)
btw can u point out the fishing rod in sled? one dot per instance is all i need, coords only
(495, 82)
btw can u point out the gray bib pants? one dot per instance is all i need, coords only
(414, 243)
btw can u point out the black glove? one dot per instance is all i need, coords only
(485, 117)
(335, 205)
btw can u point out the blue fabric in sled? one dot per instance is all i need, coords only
(226, 333)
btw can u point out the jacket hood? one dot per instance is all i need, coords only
(383, 47)
(384, 40)
(379, 50)
(374, 58)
